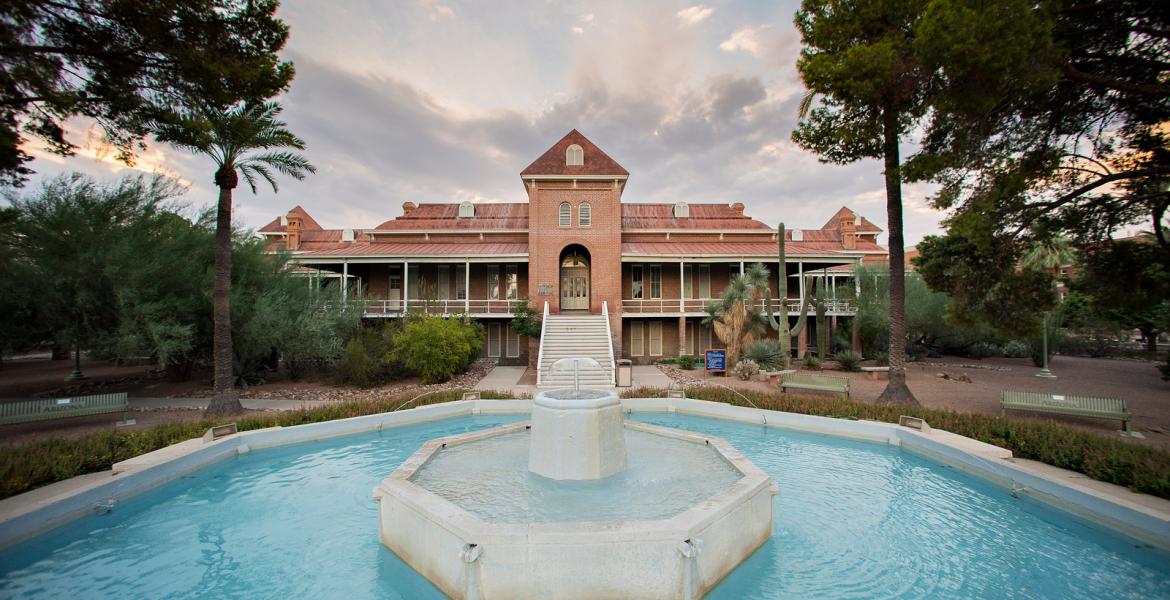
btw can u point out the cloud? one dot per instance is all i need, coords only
(694, 14)
(587, 18)
(436, 9)
(413, 105)
(576, 29)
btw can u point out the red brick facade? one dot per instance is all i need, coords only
(491, 242)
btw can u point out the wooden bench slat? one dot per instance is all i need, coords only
(43, 409)
(1078, 406)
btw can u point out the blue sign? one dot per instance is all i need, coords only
(715, 360)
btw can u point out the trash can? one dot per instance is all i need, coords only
(625, 373)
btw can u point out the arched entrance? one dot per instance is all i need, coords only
(574, 278)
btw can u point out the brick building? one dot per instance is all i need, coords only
(638, 273)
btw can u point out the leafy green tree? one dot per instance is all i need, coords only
(125, 64)
(1129, 282)
(1055, 125)
(246, 139)
(70, 233)
(859, 56)
(20, 329)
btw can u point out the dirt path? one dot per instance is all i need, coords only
(1137, 382)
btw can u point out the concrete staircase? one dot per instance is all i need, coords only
(572, 336)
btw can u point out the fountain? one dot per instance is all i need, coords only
(577, 503)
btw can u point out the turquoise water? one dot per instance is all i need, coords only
(490, 479)
(853, 520)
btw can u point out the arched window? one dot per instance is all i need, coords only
(574, 156)
(466, 210)
(566, 214)
(584, 215)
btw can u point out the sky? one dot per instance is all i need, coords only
(445, 101)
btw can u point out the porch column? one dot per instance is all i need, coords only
(682, 335)
(800, 276)
(741, 267)
(681, 282)
(344, 281)
(405, 285)
(467, 286)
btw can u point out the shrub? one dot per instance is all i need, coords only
(881, 359)
(812, 363)
(527, 321)
(1017, 349)
(356, 366)
(1140, 468)
(686, 362)
(982, 350)
(1165, 369)
(437, 348)
(848, 360)
(747, 369)
(767, 353)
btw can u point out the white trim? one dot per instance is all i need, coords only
(609, 338)
(572, 177)
(540, 352)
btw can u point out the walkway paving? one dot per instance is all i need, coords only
(507, 379)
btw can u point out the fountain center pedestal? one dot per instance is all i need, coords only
(577, 435)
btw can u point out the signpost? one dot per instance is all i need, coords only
(714, 361)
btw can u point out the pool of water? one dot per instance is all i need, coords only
(853, 520)
(490, 479)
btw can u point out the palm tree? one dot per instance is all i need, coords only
(737, 317)
(247, 140)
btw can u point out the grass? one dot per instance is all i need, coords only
(1139, 468)
(27, 466)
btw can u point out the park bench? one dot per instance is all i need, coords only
(875, 372)
(775, 377)
(1079, 406)
(43, 409)
(820, 383)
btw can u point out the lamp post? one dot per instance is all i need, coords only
(1044, 372)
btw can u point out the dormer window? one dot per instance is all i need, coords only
(574, 156)
(566, 214)
(584, 215)
(466, 210)
(682, 210)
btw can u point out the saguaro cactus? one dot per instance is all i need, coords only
(822, 326)
(780, 323)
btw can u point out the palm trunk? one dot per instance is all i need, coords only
(223, 399)
(896, 391)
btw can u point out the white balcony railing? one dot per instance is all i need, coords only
(502, 308)
(697, 305)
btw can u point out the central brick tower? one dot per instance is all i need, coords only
(575, 219)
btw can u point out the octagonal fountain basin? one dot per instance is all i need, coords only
(468, 514)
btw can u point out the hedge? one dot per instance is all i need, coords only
(41, 462)
(1139, 468)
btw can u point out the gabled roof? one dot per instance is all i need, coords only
(513, 215)
(702, 216)
(552, 162)
(866, 226)
(307, 222)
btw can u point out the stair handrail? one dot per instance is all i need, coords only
(540, 352)
(609, 341)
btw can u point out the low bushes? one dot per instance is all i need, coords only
(848, 360)
(767, 353)
(685, 362)
(1140, 468)
(747, 369)
(27, 466)
(437, 348)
